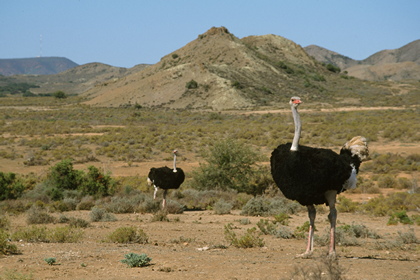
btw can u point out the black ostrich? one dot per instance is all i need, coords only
(315, 176)
(166, 178)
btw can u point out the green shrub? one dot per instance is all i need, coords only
(333, 68)
(5, 247)
(301, 231)
(62, 177)
(10, 186)
(50, 261)
(4, 222)
(128, 235)
(230, 165)
(191, 84)
(31, 234)
(400, 216)
(346, 205)
(136, 260)
(249, 240)
(64, 234)
(97, 184)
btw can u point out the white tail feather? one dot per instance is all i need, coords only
(358, 146)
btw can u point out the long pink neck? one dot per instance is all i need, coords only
(298, 127)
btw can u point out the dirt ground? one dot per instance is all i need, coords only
(189, 246)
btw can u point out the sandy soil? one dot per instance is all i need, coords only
(178, 249)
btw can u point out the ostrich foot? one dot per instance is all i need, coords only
(306, 255)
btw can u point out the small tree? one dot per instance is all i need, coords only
(97, 184)
(59, 94)
(230, 165)
(10, 186)
(62, 177)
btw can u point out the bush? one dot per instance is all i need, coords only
(222, 207)
(249, 240)
(4, 222)
(10, 186)
(191, 84)
(37, 215)
(5, 247)
(262, 206)
(346, 205)
(229, 166)
(31, 234)
(97, 184)
(64, 234)
(128, 235)
(101, 215)
(400, 216)
(62, 177)
(136, 260)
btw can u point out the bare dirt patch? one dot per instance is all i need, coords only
(199, 255)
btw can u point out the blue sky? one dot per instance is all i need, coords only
(125, 33)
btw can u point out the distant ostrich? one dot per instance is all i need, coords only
(166, 178)
(315, 176)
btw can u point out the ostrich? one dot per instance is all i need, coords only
(166, 178)
(315, 176)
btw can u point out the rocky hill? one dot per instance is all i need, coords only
(35, 66)
(398, 64)
(218, 71)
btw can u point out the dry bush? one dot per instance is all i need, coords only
(250, 239)
(321, 269)
(98, 214)
(38, 215)
(128, 235)
(222, 207)
(5, 247)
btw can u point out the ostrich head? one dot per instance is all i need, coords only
(295, 101)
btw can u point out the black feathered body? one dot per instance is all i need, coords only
(165, 178)
(305, 175)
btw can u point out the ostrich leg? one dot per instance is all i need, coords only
(310, 245)
(332, 217)
(164, 199)
(154, 194)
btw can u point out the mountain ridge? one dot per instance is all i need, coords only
(35, 65)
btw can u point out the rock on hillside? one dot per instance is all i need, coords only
(217, 70)
(35, 66)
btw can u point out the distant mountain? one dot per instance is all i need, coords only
(329, 57)
(397, 64)
(35, 66)
(76, 80)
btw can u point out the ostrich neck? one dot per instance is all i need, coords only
(174, 163)
(298, 126)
